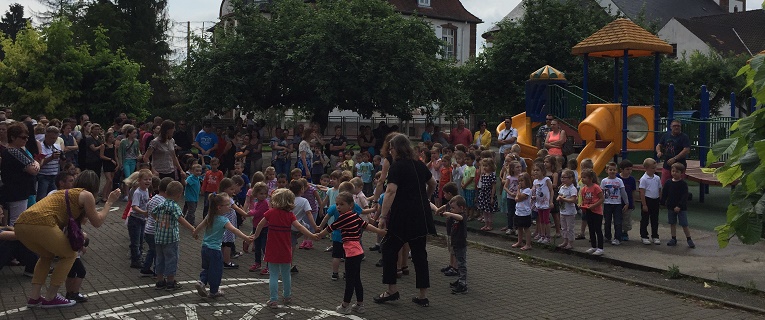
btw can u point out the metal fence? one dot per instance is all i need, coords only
(719, 129)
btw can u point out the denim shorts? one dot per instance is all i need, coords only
(673, 217)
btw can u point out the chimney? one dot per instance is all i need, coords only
(725, 4)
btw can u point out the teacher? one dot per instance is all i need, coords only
(161, 152)
(405, 214)
(555, 139)
(18, 171)
(39, 229)
(482, 137)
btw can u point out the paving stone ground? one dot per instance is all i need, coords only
(500, 287)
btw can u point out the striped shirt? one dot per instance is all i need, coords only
(153, 203)
(350, 226)
(51, 167)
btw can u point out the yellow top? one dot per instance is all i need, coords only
(51, 210)
(485, 138)
(619, 35)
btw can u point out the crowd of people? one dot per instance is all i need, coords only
(314, 186)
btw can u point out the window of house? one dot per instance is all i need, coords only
(423, 3)
(450, 44)
(673, 55)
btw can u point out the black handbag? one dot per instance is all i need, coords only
(73, 230)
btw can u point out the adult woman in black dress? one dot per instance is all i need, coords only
(404, 211)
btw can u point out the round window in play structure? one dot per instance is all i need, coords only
(637, 127)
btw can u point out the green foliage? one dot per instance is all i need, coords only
(673, 272)
(350, 55)
(13, 21)
(746, 152)
(45, 72)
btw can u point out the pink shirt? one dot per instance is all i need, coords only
(463, 137)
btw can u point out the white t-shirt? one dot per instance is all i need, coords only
(567, 208)
(523, 208)
(504, 135)
(512, 185)
(652, 186)
(542, 193)
(301, 208)
(612, 190)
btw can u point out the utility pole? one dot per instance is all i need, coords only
(188, 43)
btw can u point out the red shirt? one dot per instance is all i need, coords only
(279, 241)
(463, 137)
(212, 181)
(590, 196)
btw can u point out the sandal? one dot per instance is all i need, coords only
(526, 248)
(503, 229)
(424, 302)
(385, 297)
(405, 270)
(568, 247)
(516, 245)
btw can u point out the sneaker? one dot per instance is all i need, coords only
(236, 255)
(343, 310)
(672, 242)
(646, 241)
(598, 252)
(287, 301)
(216, 294)
(625, 238)
(510, 232)
(375, 248)
(308, 245)
(656, 241)
(255, 267)
(76, 296)
(29, 274)
(34, 303)
(460, 289)
(537, 237)
(147, 273)
(447, 268)
(160, 285)
(57, 302)
(451, 273)
(579, 237)
(691, 244)
(294, 269)
(615, 242)
(328, 249)
(358, 308)
(303, 244)
(230, 265)
(544, 240)
(591, 250)
(264, 272)
(201, 290)
(272, 304)
(335, 276)
(379, 263)
(454, 284)
(172, 286)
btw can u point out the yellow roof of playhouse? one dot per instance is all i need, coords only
(619, 35)
(547, 73)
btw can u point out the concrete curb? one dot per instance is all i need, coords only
(620, 263)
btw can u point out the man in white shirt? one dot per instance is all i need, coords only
(507, 137)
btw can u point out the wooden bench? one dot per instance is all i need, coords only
(694, 173)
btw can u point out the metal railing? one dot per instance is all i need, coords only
(566, 103)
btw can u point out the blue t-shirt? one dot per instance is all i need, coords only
(243, 193)
(426, 136)
(193, 185)
(630, 185)
(214, 234)
(333, 215)
(365, 171)
(206, 141)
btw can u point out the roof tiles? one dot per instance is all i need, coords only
(619, 35)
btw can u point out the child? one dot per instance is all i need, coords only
(458, 170)
(239, 183)
(64, 180)
(486, 202)
(281, 182)
(567, 198)
(279, 244)
(167, 216)
(592, 204)
(77, 274)
(228, 186)
(257, 205)
(584, 165)
(350, 225)
(434, 165)
(446, 175)
(552, 171)
(450, 191)
(311, 194)
(650, 190)
(511, 190)
(348, 164)
(149, 230)
(630, 185)
(302, 212)
(543, 189)
(242, 195)
(191, 193)
(360, 198)
(365, 170)
(675, 197)
(210, 183)
(320, 161)
(270, 179)
(137, 219)
(213, 227)
(468, 184)
(458, 235)
(615, 203)
(333, 213)
(377, 163)
(523, 211)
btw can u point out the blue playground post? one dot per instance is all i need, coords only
(585, 75)
(616, 80)
(752, 104)
(703, 136)
(670, 105)
(625, 93)
(732, 104)
(656, 95)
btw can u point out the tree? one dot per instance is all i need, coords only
(59, 9)
(45, 72)
(13, 21)
(354, 55)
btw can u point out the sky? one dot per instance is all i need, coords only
(203, 13)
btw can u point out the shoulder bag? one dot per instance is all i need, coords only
(73, 230)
